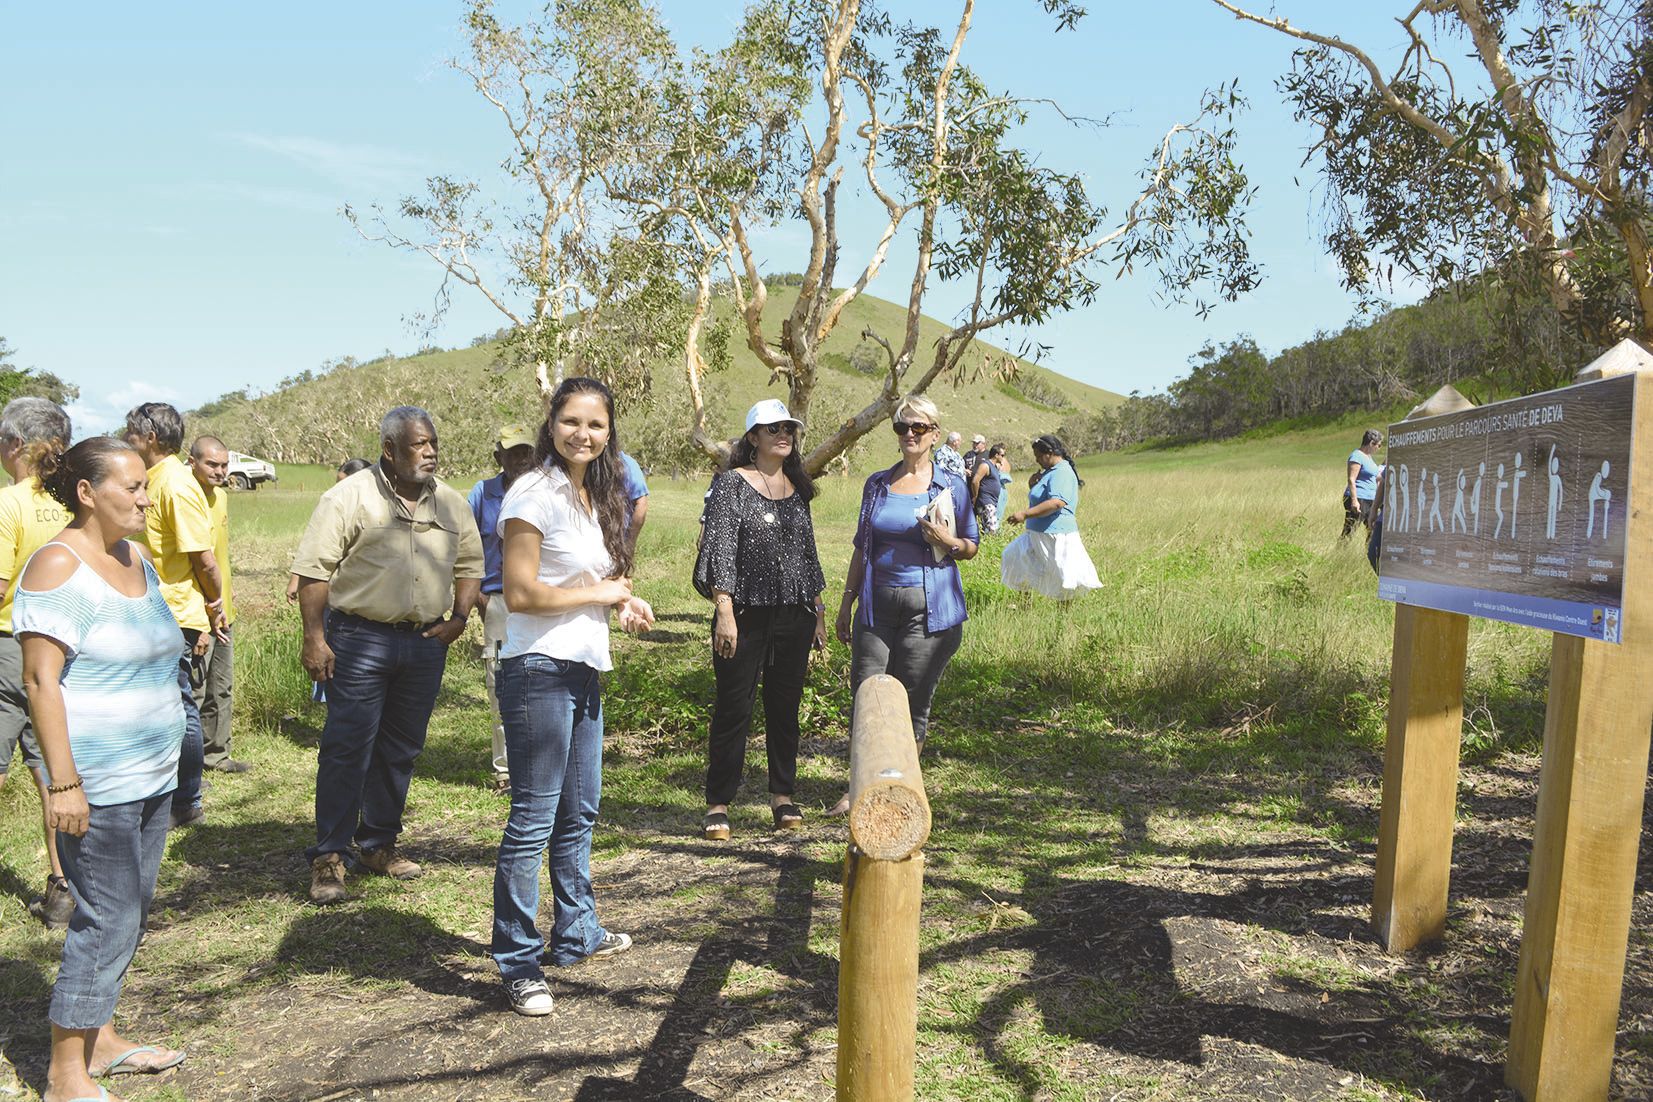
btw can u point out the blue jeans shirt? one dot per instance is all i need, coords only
(943, 588)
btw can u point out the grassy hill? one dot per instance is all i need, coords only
(330, 417)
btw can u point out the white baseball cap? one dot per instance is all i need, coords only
(770, 411)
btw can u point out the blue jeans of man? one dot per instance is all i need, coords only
(190, 754)
(385, 680)
(552, 710)
(111, 871)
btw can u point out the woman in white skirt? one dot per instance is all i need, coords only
(1049, 557)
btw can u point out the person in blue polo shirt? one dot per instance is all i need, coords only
(514, 452)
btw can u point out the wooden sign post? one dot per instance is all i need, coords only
(889, 820)
(1594, 774)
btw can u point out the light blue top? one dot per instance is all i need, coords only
(943, 588)
(636, 485)
(1060, 481)
(899, 551)
(1366, 482)
(120, 681)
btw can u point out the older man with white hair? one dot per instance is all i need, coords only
(947, 457)
(390, 567)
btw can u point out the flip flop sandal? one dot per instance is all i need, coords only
(787, 816)
(715, 827)
(119, 1066)
(103, 1096)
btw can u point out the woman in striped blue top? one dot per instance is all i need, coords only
(100, 664)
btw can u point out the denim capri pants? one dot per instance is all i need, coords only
(111, 872)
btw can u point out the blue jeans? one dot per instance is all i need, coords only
(553, 715)
(188, 794)
(379, 703)
(111, 872)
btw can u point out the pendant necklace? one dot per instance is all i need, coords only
(769, 515)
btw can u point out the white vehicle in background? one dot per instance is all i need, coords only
(247, 471)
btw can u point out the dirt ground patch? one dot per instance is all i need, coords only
(1213, 971)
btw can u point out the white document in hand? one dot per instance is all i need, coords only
(940, 513)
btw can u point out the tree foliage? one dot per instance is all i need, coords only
(1510, 141)
(644, 176)
(28, 382)
(1476, 338)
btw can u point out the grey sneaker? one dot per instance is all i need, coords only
(529, 996)
(612, 945)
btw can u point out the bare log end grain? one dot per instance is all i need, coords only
(889, 815)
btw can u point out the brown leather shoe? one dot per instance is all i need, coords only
(388, 861)
(327, 879)
(57, 906)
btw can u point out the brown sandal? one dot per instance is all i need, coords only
(787, 816)
(715, 826)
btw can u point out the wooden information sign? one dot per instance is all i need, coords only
(1514, 511)
(1575, 558)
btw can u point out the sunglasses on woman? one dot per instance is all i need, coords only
(917, 428)
(779, 427)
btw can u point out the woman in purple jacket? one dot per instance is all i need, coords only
(911, 616)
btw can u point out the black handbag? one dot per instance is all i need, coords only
(702, 567)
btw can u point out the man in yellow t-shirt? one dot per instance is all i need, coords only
(209, 462)
(178, 531)
(29, 428)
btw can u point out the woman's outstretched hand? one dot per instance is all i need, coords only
(635, 615)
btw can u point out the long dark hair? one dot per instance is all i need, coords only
(745, 453)
(61, 472)
(605, 476)
(1052, 445)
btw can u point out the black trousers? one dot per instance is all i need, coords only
(771, 645)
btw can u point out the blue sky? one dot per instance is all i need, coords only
(172, 176)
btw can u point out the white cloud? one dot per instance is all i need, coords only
(357, 165)
(287, 198)
(106, 412)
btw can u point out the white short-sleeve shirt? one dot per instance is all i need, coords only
(571, 555)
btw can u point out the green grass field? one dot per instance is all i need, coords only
(1148, 877)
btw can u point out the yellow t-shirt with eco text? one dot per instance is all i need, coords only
(29, 518)
(178, 523)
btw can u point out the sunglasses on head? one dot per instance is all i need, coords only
(779, 427)
(917, 428)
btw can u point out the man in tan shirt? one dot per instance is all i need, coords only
(389, 569)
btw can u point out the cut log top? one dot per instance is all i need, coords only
(889, 815)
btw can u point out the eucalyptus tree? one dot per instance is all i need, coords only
(764, 132)
(1524, 157)
(645, 177)
(538, 244)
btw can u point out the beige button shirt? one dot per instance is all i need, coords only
(383, 562)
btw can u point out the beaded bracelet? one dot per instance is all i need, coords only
(59, 789)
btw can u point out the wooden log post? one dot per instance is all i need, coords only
(883, 884)
(1420, 760)
(1420, 776)
(1580, 884)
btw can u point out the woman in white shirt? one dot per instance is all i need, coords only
(566, 566)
